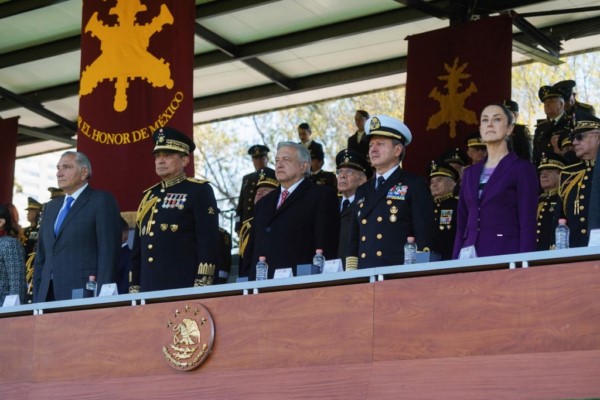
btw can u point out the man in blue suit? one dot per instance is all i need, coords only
(79, 235)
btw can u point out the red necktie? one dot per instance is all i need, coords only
(284, 196)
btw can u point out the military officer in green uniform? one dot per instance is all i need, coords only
(576, 181)
(581, 110)
(30, 239)
(317, 174)
(176, 235)
(267, 182)
(245, 206)
(476, 149)
(549, 170)
(442, 182)
(394, 205)
(545, 138)
(521, 141)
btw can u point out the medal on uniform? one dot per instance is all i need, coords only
(393, 211)
(398, 192)
(174, 200)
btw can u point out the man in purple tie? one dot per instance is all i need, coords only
(79, 235)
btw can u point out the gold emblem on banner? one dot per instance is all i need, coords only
(190, 338)
(452, 103)
(111, 65)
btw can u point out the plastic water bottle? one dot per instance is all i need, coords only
(410, 251)
(319, 260)
(561, 235)
(92, 285)
(262, 269)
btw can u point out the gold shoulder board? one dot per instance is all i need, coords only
(151, 187)
(197, 180)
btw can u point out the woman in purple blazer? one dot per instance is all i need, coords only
(498, 197)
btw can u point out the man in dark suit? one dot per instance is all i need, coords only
(547, 132)
(177, 228)
(393, 206)
(79, 235)
(305, 133)
(245, 205)
(291, 222)
(352, 170)
(359, 141)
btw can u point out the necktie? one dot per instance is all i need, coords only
(380, 181)
(345, 204)
(284, 196)
(63, 213)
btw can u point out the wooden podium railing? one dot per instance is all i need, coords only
(386, 333)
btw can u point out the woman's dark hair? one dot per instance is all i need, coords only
(5, 215)
(505, 110)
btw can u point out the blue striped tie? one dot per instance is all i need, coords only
(63, 213)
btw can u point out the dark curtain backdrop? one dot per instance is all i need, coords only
(452, 73)
(136, 76)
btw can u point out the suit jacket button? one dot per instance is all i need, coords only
(150, 259)
(379, 254)
(363, 255)
(150, 246)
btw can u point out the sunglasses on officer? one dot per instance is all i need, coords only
(579, 136)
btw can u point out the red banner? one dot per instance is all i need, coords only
(9, 129)
(136, 76)
(452, 73)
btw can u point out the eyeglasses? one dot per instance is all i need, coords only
(579, 136)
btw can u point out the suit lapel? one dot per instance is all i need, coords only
(50, 214)
(504, 165)
(78, 205)
(299, 192)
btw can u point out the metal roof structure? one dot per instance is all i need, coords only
(252, 56)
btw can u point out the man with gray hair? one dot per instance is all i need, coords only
(295, 220)
(79, 235)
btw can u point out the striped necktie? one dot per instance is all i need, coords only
(284, 195)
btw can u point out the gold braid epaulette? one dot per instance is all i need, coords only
(145, 206)
(245, 235)
(29, 272)
(570, 182)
